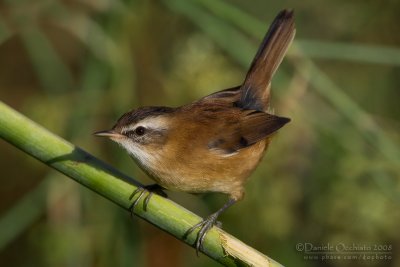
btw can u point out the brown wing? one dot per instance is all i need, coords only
(228, 96)
(256, 86)
(251, 126)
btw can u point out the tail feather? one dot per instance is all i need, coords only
(256, 86)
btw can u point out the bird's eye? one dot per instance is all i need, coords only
(140, 130)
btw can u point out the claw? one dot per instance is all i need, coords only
(149, 189)
(205, 225)
(147, 199)
(141, 192)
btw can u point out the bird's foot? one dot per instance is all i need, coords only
(149, 190)
(205, 225)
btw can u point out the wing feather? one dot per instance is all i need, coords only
(251, 127)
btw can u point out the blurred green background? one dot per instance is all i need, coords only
(331, 176)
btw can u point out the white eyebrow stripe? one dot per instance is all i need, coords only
(156, 122)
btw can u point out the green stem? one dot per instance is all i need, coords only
(117, 187)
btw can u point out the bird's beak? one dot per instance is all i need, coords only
(108, 133)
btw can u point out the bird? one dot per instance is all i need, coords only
(213, 144)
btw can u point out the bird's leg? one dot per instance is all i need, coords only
(149, 189)
(206, 225)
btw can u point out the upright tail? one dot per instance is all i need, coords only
(255, 90)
